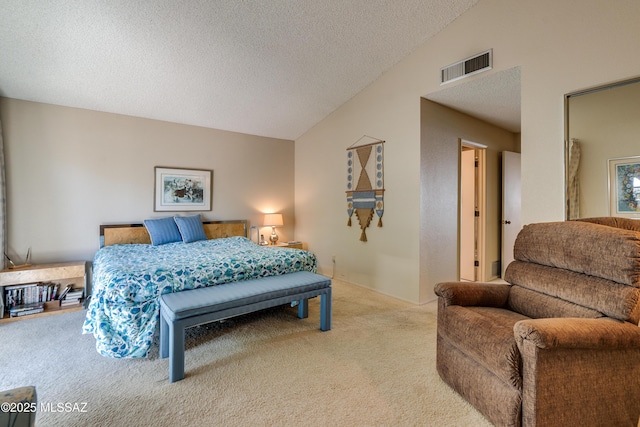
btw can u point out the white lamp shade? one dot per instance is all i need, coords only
(273, 220)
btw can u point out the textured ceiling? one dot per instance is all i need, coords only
(272, 68)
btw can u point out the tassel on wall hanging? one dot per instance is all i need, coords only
(365, 182)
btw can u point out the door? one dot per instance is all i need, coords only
(467, 215)
(471, 214)
(511, 195)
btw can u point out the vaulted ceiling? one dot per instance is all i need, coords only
(271, 68)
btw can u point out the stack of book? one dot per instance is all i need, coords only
(70, 297)
(26, 309)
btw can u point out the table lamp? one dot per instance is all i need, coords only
(273, 221)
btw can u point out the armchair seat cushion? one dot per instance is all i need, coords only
(495, 348)
(538, 305)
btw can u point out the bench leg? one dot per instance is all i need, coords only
(325, 311)
(303, 309)
(176, 352)
(164, 337)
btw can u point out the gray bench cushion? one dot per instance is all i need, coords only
(182, 305)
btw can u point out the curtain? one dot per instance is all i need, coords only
(574, 185)
(3, 201)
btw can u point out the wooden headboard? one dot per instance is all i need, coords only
(113, 234)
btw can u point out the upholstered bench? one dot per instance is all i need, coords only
(184, 309)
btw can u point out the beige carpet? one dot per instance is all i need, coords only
(376, 367)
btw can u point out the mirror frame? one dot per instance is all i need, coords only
(567, 98)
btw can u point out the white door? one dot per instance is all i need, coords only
(511, 195)
(467, 215)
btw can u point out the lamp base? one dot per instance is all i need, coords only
(274, 237)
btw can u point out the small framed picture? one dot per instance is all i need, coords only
(179, 189)
(624, 187)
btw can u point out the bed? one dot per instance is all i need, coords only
(130, 274)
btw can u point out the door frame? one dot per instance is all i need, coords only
(480, 199)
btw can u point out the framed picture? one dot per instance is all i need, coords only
(178, 189)
(624, 187)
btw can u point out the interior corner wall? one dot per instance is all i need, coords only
(70, 170)
(441, 130)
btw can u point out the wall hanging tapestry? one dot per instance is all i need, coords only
(365, 182)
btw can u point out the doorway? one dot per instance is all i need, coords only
(471, 211)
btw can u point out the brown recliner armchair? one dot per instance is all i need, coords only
(559, 345)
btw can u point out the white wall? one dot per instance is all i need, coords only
(70, 170)
(561, 47)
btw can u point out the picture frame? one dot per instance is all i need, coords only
(624, 187)
(182, 189)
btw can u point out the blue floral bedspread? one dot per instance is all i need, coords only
(128, 280)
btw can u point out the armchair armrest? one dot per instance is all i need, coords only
(583, 367)
(473, 293)
(578, 333)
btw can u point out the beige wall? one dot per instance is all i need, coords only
(607, 124)
(561, 47)
(69, 170)
(389, 259)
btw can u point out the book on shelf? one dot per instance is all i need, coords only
(17, 295)
(26, 309)
(69, 302)
(74, 294)
(64, 292)
(71, 297)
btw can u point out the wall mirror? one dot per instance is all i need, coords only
(602, 151)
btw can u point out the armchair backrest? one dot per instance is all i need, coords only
(613, 221)
(576, 269)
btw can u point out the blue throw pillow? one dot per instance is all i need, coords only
(190, 228)
(162, 230)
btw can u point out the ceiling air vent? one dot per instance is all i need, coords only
(467, 67)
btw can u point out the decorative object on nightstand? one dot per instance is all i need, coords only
(27, 261)
(273, 221)
(259, 237)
